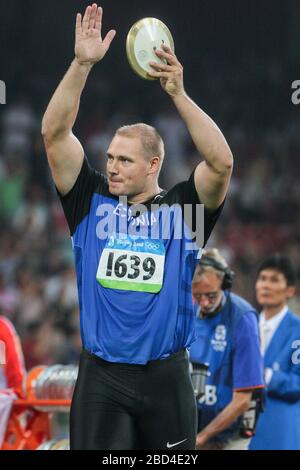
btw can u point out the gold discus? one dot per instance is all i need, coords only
(143, 39)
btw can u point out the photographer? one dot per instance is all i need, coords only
(228, 341)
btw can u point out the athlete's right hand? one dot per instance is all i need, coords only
(89, 46)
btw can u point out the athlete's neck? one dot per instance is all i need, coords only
(144, 196)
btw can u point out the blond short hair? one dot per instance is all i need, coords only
(151, 141)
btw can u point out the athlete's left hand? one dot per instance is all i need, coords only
(170, 74)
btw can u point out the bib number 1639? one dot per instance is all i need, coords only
(130, 266)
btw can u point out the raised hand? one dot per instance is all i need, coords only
(89, 46)
(170, 74)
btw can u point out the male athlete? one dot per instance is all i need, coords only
(133, 389)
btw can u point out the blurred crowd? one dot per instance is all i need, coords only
(37, 281)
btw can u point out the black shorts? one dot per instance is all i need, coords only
(129, 406)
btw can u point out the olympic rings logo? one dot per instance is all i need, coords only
(152, 246)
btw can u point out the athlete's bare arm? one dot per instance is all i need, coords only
(64, 151)
(212, 175)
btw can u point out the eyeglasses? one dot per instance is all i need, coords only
(211, 296)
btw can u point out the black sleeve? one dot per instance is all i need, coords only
(186, 193)
(76, 204)
(210, 219)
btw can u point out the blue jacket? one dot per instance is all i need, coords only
(229, 342)
(278, 428)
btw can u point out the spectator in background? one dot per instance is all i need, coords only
(278, 427)
(32, 304)
(12, 186)
(18, 122)
(8, 297)
(228, 341)
(31, 217)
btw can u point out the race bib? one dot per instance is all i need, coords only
(132, 263)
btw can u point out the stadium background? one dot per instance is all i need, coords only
(240, 59)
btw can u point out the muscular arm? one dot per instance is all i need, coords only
(212, 176)
(64, 151)
(239, 404)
